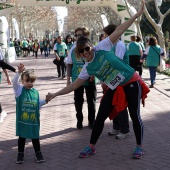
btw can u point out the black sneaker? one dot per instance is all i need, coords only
(39, 157)
(20, 158)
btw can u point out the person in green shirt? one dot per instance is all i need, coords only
(118, 76)
(69, 42)
(135, 53)
(121, 122)
(74, 65)
(41, 46)
(28, 107)
(152, 55)
(25, 47)
(60, 51)
(11, 43)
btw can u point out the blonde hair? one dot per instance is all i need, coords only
(29, 75)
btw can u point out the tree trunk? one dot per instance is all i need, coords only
(138, 29)
(161, 40)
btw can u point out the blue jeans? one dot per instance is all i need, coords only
(152, 71)
(46, 52)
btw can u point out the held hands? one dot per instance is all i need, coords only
(47, 99)
(21, 68)
(50, 96)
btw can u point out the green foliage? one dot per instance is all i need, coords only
(166, 72)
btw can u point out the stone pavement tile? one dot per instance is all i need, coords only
(61, 142)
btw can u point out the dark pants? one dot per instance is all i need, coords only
(133, 95)
(91, 101)
(46, 52)
(41, 50)
(121, 122)
(21, 144)
(134, 62)
(61, 67)
(17, 50)
(152, 71)
(36, 54)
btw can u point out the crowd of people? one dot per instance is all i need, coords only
(117, 66)
(27, 46)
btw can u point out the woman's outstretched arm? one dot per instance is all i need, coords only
(76, 84)
(123, 27)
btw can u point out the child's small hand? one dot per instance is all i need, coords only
(21, 68)
(47, 98)
(50, 96)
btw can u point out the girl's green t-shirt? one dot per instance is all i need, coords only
(27, 114)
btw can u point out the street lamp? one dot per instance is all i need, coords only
(159, 2)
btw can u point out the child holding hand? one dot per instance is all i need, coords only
(28, 107)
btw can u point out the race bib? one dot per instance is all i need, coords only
(113, 82)
(61, 53)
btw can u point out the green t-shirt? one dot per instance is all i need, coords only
(11, 44)
(153, 57)
(78, 64)
(61, 49)
(69, 45)
(134, 48)
(108, 68)
(27, 114)
(41, 44)
(24, 44)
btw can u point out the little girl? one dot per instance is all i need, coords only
(28, 107)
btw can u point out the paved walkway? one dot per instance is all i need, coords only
(61, 142)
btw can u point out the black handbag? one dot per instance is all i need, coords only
(55, 61)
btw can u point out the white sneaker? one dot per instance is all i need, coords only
(3, 114)
(122, 135)
(113, 132)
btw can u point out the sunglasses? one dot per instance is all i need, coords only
(82, 49)
(78, 35)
